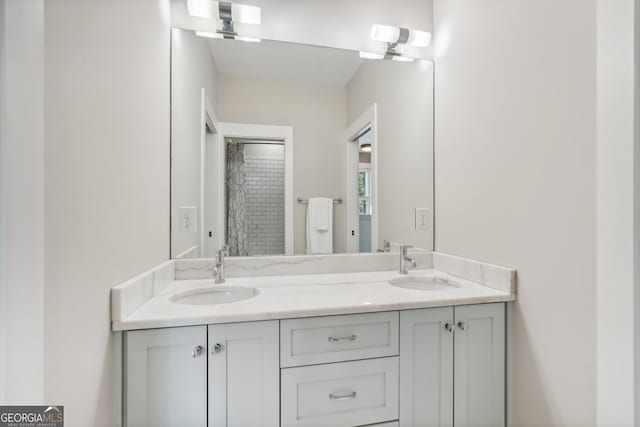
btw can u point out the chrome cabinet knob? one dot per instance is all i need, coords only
(197, 351)
(448, 326)
(461, 326)
(217, 348)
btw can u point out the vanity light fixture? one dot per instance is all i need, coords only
(394, 38)
(397, 35)
(228, 14)
(365, 148)
(224, 10)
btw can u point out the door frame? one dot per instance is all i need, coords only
(282, 134)
(207, 120)
(367, 121)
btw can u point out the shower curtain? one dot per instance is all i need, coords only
(236, 223)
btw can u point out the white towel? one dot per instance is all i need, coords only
(320, 226)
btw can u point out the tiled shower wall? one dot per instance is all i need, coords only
(264, 205)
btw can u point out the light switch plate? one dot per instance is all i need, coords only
(187, 219)
(423, 219)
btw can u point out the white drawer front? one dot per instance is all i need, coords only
(340, 394)
(327, 339)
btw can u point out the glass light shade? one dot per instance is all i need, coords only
(419, 38)
(245, 14)
(240, 13)
(365, 148)
(385, 33)
(391, 34)
(203, 9)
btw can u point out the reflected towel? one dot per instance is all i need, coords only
(320, 226)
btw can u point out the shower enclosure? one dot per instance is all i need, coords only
(255, 191)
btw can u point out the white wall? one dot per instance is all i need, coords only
(617, 213)
(193, 69)
(3, 202)
(318, 148)
(107, 184)
(404, 96)
(515, 182)
(22, 206)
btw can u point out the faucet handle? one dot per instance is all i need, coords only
(223, 251)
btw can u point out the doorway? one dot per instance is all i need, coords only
(255, 188)
(361, 184)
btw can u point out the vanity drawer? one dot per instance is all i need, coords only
(340, 394)
(315, 340)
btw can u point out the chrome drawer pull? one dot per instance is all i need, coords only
(343, 339)
(349, 396)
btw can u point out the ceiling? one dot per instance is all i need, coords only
(272, 60)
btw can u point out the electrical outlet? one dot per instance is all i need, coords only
(187, 219)
(423, 219)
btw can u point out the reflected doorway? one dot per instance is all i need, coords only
(364, 191)
(255, 196)
(361, 184)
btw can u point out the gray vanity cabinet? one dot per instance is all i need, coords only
(479, 365)
(426, 367)
(169, 373)
(244, 380)
(434, 367)
(165, 377)
(452, 366)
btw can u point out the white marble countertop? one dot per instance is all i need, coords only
(305, 295)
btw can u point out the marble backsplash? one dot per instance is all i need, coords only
(302, 264)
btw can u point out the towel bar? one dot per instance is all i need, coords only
(306, 201)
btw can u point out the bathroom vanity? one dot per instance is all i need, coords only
(362, 346)
(349, 334)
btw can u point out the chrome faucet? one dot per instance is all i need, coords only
(404, 259)
(218, 271)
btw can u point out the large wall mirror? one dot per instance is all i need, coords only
(289, 149)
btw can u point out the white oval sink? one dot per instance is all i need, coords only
(214, 295)
(424, 283)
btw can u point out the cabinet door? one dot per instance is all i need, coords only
(479, 364)
(426, 367)
(244, 372)
(166, 377)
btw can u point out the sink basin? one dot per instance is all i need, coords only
(214, 295)
(424, 283)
